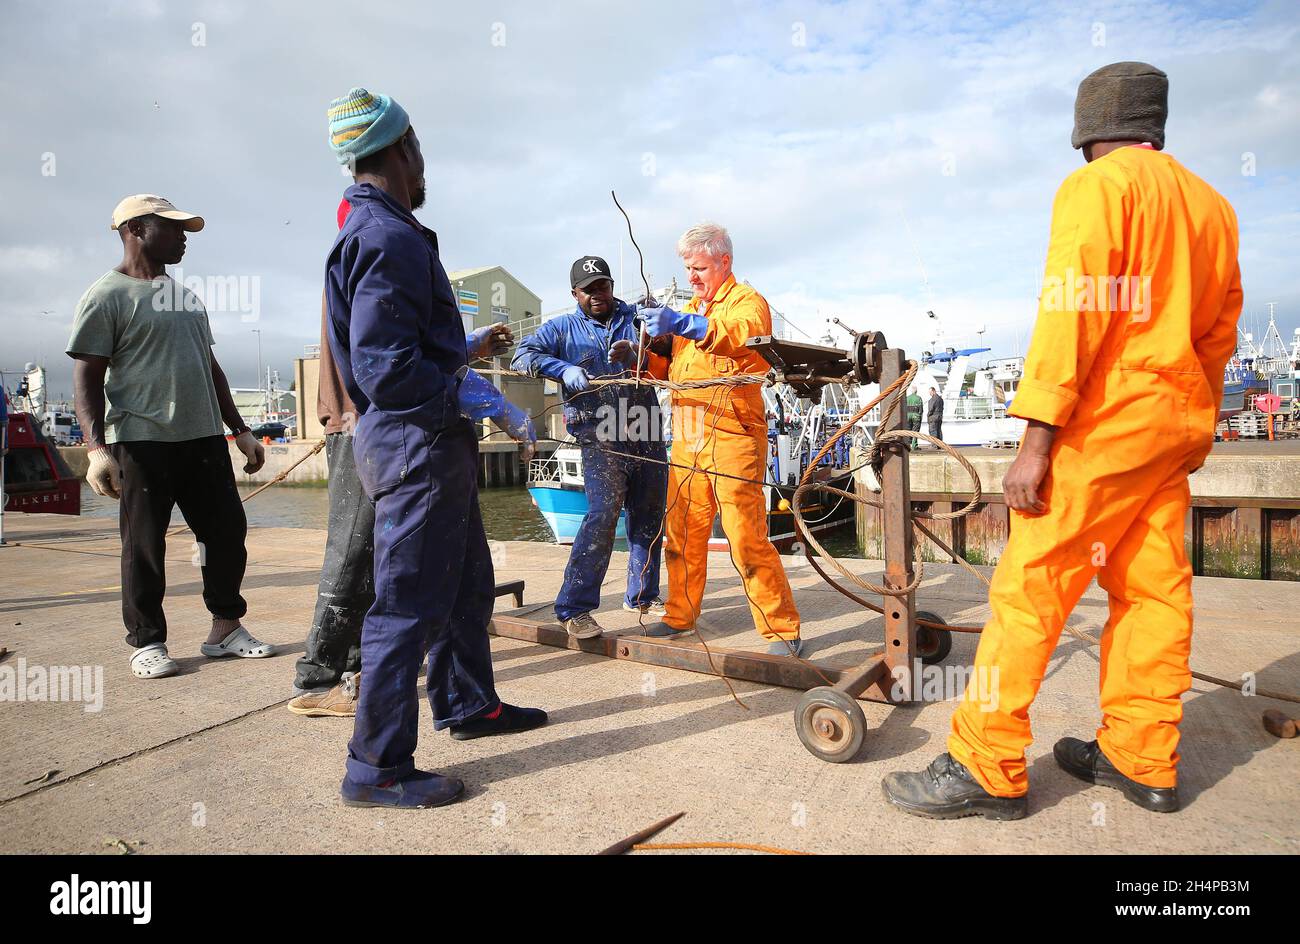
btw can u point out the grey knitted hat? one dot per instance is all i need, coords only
(1124, 101)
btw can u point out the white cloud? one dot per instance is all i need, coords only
(819, 158)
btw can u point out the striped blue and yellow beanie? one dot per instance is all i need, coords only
(362, 123)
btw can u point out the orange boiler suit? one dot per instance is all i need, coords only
(1133, 382)
(723, 429)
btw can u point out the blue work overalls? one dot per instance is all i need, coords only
(398, 340)
(618, 430)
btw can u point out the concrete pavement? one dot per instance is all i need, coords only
(210, 760)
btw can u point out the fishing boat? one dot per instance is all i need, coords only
(34, 475)
(1262, 368)
(975, 400)
(556, 487)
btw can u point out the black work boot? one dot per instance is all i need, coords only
(661, 630)
(508, 719)
(946, 790)
(1085, 760)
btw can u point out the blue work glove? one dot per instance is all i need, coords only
(480, 400)
(518, 425)
(661, 321)
(490, 340)
(575, 379)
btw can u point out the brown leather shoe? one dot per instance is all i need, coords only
(339, 702)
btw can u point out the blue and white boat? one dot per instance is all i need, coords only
(556, 486)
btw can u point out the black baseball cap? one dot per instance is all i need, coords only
(588, 269)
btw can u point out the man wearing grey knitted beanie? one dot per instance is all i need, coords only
(1124, 101)
(1121, 391)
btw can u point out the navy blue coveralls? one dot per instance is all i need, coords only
(606, 421)
(398, 340)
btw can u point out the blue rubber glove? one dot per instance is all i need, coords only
(518, 425)
(480, 400)
(661, 321)
(575, 379)
(490, 340)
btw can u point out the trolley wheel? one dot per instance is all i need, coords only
(830, 724)
(933, 645)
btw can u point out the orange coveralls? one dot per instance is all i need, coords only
(1134, 389)
(723, 428)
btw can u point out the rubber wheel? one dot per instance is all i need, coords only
(932, 645)
(830, 724)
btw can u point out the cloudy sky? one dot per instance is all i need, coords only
(872, 160)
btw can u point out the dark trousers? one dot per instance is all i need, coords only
(914, 424)
(936, 429)
(197, 476)
(434, 592)
(347, 581)
(612, 483)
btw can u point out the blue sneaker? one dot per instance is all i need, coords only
(417, 789)
(779, 647)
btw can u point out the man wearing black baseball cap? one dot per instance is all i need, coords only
(619, 430)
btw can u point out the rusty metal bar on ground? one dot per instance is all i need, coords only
(625, 845)
(738, 664)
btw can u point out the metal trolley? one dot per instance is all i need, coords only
(828, 719)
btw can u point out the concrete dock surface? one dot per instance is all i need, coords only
(211, 761)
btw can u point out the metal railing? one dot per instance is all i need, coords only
(970, 408)
(544, 470)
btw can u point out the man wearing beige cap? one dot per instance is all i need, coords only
(151, 399)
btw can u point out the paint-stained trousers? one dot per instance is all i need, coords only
(614, 482)
(1117, 498)
(347, 583)
(727, 434)
(433, 591)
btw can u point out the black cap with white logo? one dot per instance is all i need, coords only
(588, 269)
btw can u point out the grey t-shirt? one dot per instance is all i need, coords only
(157, 338)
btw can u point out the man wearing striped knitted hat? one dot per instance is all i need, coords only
(400, 349)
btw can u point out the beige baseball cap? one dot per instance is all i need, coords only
(145, 204)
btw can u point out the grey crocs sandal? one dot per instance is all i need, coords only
(239, 643)
(153, 662)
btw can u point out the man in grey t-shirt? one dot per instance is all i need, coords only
(151, 399)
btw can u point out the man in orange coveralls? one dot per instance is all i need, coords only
(724, 429)
(1122, 385)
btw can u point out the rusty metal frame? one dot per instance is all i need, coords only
(876, 679)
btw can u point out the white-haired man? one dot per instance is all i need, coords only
(721, 429)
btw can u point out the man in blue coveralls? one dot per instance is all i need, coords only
(399, 346)
(621, 435)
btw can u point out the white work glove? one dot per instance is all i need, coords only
(246, 443)
(104, 475)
